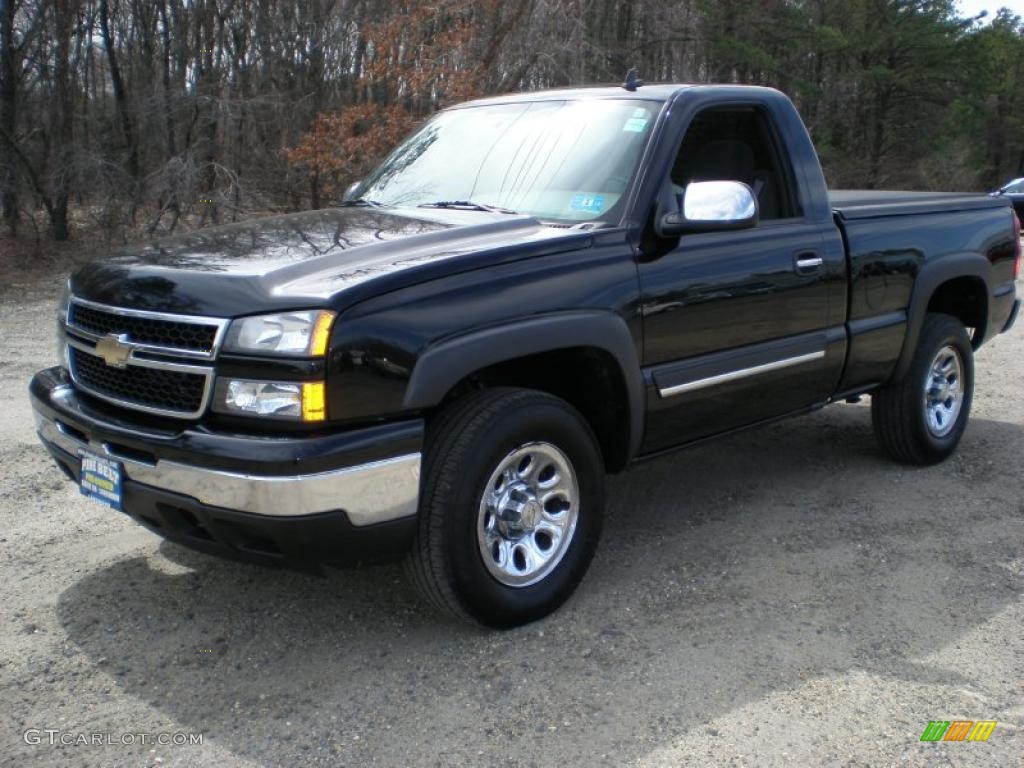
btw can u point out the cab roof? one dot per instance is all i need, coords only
(650, 92)
(658, 92)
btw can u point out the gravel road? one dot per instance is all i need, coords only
(782, 597)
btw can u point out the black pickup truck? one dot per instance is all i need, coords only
(531, 291)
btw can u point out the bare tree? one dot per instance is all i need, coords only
(8, 116)
(146, 115)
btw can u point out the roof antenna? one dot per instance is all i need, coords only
(633, 80)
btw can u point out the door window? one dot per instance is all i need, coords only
(738, 144)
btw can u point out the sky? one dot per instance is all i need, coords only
(974, 7)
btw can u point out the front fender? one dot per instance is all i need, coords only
(445, 363)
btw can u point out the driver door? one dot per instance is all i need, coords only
(736, 323)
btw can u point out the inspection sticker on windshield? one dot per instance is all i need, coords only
(587, 203)
(635, 125)
(100, 479)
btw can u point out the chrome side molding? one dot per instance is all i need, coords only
(741, 373)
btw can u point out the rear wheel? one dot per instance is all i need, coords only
(921, 418)
(511, 507)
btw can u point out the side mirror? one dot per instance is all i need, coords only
(711, 206)
(350, 191)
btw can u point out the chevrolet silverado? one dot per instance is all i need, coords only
(530, 292)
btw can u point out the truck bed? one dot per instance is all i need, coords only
(851, 204)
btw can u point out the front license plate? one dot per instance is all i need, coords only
(101, 479)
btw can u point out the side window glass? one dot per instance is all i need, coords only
(737, 145)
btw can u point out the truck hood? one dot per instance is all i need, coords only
(332, 257)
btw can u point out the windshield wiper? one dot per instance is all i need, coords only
(468, 205)
(362, 202)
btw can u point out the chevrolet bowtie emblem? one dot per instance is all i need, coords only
(114, 349)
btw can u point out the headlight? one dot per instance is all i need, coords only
(292, 400)
(289, 333)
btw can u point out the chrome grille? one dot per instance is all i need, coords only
(158, 372)
(152, 388)
(157, 332)
(144, 330)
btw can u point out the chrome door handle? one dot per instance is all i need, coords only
(808, 262)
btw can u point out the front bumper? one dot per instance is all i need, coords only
(330, 498)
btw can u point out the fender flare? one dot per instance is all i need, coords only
(931, 276)
(443, 364)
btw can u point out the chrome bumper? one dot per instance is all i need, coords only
(371, 493)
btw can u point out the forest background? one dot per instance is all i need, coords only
(128, 119)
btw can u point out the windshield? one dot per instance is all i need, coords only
(566, 160)
(1014, 187)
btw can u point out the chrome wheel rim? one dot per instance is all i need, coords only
(528, 514)
(944, 391)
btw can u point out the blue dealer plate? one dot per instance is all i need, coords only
(101, 479)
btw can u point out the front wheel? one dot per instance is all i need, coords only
(921, 418)
(511, 507)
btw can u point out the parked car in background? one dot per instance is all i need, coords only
(1014, 192)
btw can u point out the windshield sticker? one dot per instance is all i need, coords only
(587, 203)
(635, 125)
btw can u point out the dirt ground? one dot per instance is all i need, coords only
(786, 596)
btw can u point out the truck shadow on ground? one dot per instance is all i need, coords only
(726, 573)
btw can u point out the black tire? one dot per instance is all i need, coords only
(898, 411)
(465, 444)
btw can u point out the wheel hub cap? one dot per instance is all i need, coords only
(518, 511)
(943, 391)
(528, 514)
